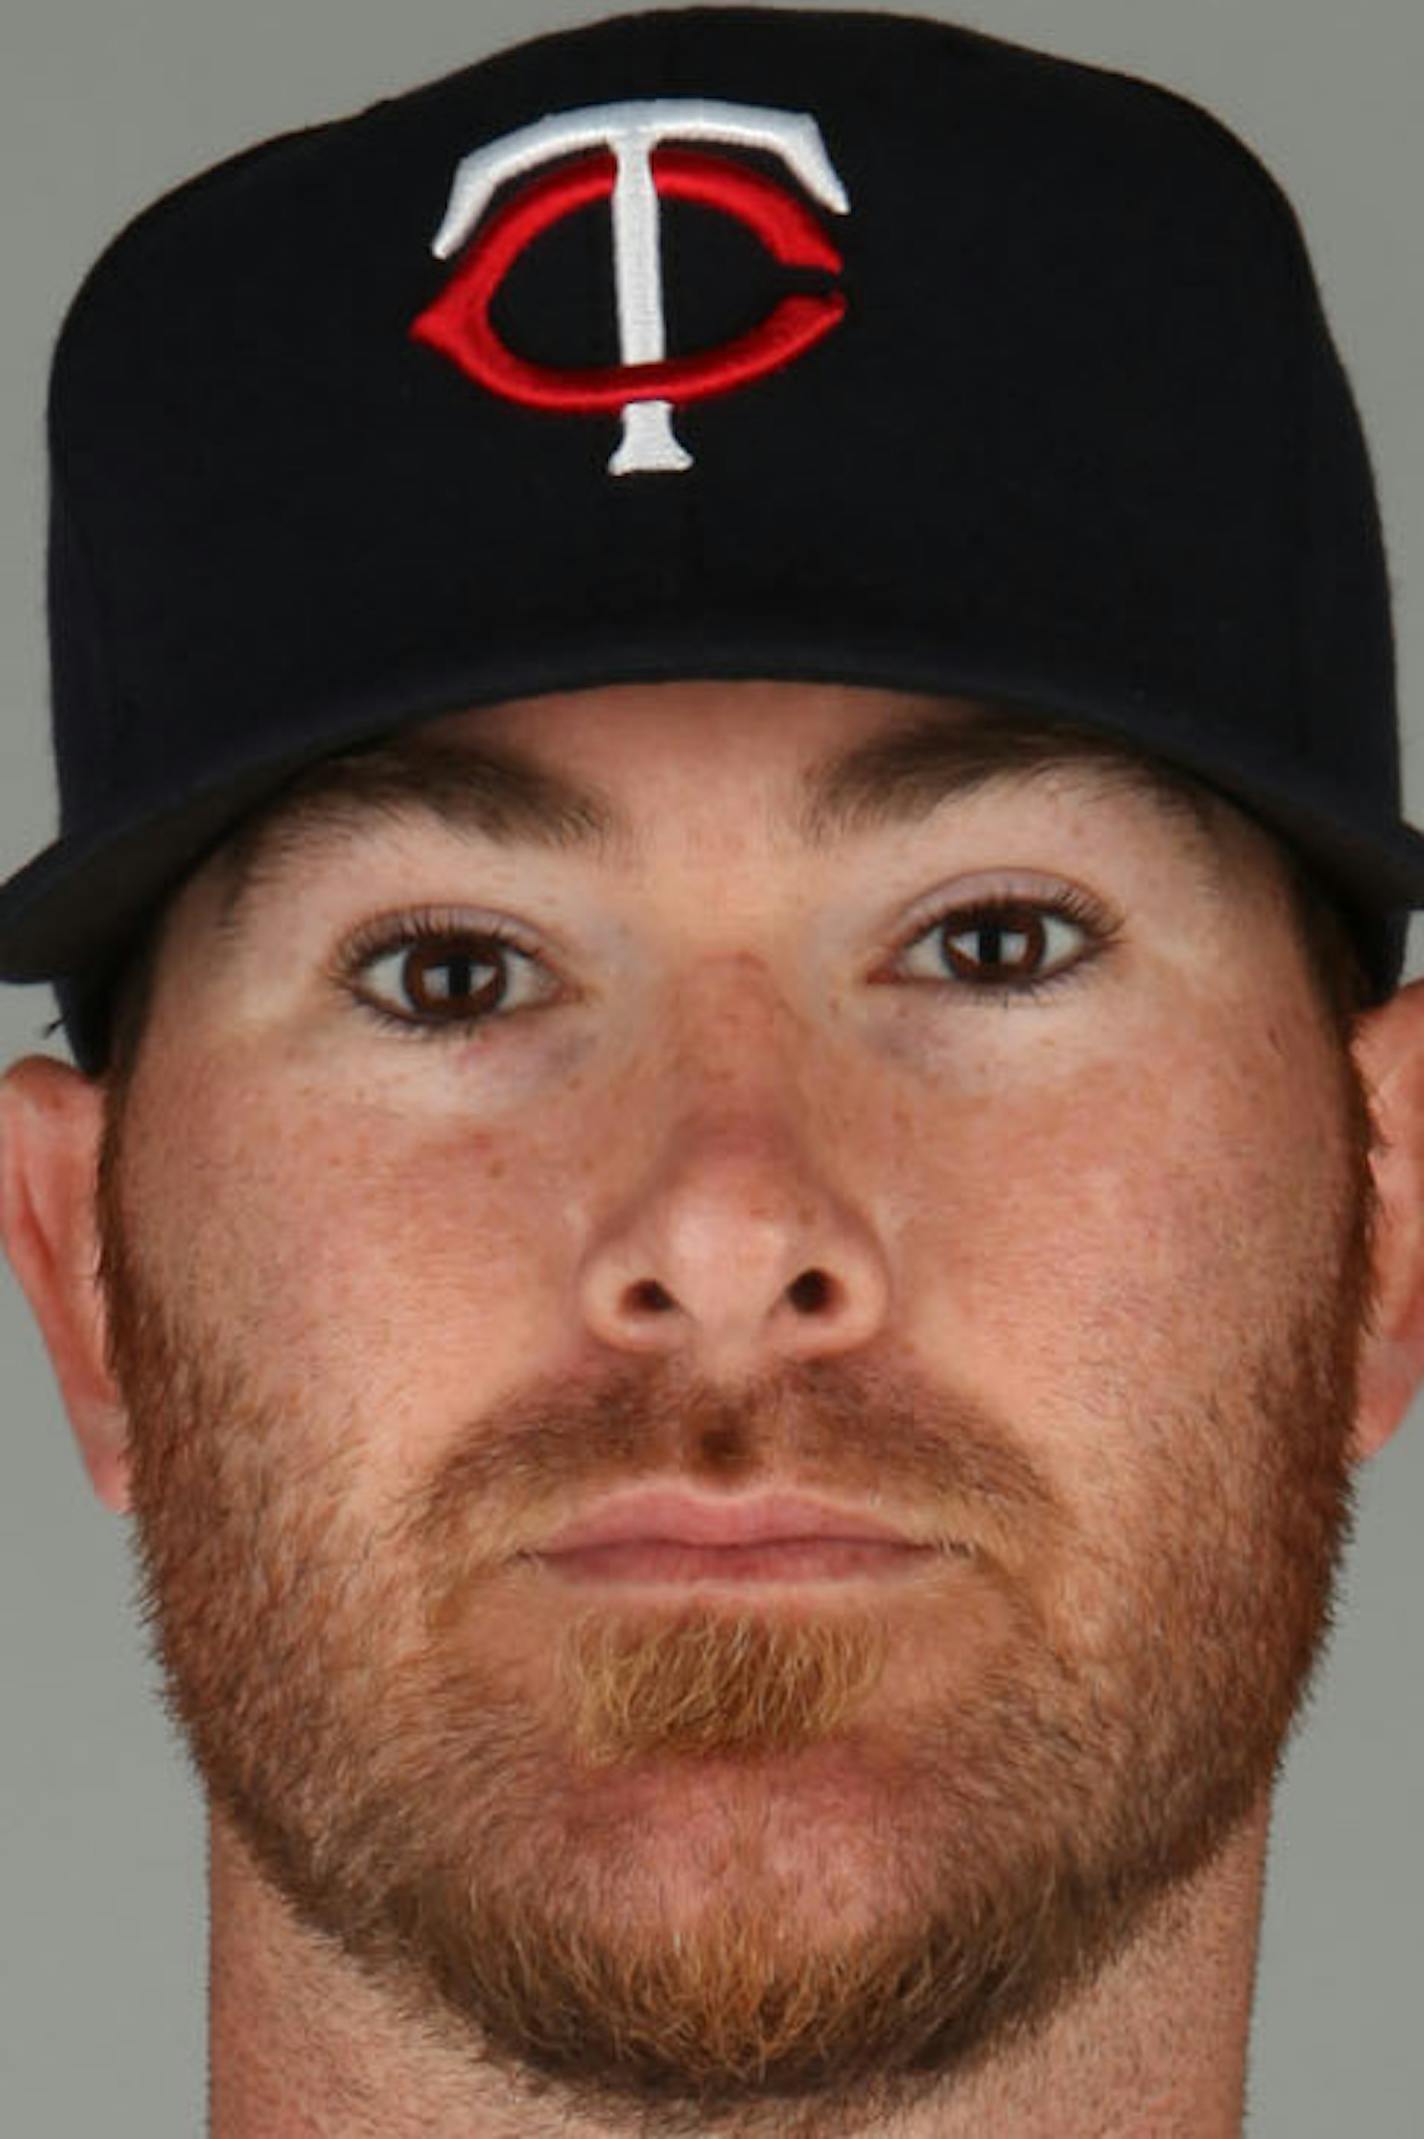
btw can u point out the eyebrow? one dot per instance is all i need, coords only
(498, 793)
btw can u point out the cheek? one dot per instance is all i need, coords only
(1145, 1227)
(1137, 1277)
(357, 1263)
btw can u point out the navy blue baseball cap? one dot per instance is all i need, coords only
(708, 342)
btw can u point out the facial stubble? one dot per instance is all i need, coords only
(856, 1917)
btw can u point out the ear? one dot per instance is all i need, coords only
(1389, 1050)
(51, 1132)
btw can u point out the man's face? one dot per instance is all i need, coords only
(418, 1248)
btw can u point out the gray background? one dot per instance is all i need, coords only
(103, 104)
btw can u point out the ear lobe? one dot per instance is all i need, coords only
(1389, 1051)
(51, 1133)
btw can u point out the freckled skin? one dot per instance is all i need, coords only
(1095, 1274)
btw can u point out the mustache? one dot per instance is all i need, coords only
(934, 1460)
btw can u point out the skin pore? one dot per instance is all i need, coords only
(751, 1184)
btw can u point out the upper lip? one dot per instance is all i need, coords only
(669, 1515)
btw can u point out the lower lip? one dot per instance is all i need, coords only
(798, 1559)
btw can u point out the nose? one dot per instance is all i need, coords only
(736, 1254)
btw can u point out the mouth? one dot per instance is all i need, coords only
(670, 1536)
(804, 1559)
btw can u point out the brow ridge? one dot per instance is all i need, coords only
(498, 793)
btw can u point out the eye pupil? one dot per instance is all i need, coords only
(442, 977)
(990, 933)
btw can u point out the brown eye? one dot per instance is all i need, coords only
(1009, 946)
(442, 980)
(448, 980)
(997, 943)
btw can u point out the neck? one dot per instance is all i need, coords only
(302, 2047)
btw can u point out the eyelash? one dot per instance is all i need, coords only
(384, 939)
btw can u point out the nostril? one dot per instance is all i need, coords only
(808, 1294)
(810, 1291)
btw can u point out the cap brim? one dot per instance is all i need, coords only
(78, 905)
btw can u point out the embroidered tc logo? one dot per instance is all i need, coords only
(647, 385)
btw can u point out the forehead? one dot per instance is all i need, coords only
(604, 772)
